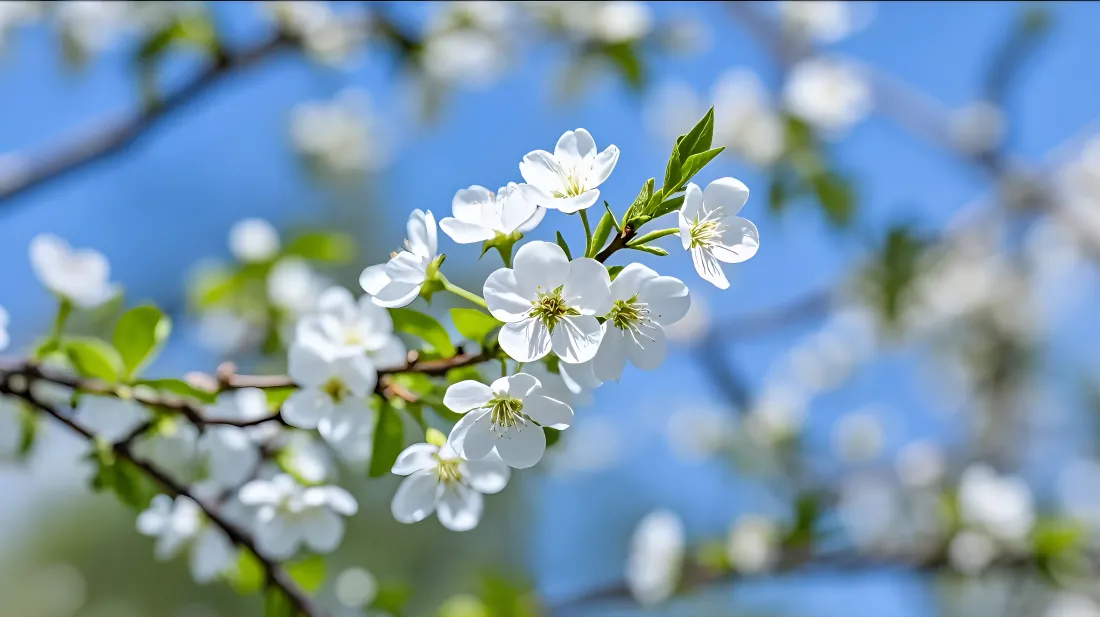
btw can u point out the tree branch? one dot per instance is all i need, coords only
(276, 575)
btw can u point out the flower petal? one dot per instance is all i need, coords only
(588, 287)
(726, 195)
(259, 492)
(525, 341)
(488, 475)
(456, 441)
(648, 348)
(460, 507)
(666, 297)
(517, 386)
(416, 457)
(477, 438)
(522, 448)
(611, 358)
(691, 211)
(466, 233)
(574, 146)
(415, 498)
(390, 356)
(323, 529)
(422, 234)
(533, 222)
(305, 408)
(211, 554)
(631, 280)
(740, 241)
(515, 207)
(569, 205)
(602, 166)
(472, 205)
(541, 169)
(466, 395)
(373, 279)
(548, 412)
(396, 295)
(406, 267)
(540, 267)
(505, 299)
(335, 498)
(308, 364)
(278, 538)
(356, 372)
(338, 302)
(576, 338)
(709, 268)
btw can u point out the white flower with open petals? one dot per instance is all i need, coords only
(656, 557)
(643, 302)
(549, 303)
(481, 215)
(253, 240)
(179, 523)
(830, 94)
(289, 515)
(353, 327)
(440, 481)
(333, 389)
(507, 416)
(398, 282)
(712, 231)
(81, 276)
(570, 175)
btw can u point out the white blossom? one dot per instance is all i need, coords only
(506, 416)
(179, 523)
(1000, 505)
(305, 456)
(830, 94)
(440, 481)
(326, 37)
(1070, 604)
(353, 326)
(4, 337)
(82, 276)
(108, 417)
(293, 285)
(568, 178)
(745, 120)
(920, 464)
(656, 557)
(224, 332)
(397, 283)
(173, 446)
(857, 437)
(93, 25)
(976, 127)
(825, 21)
(342, 135)
(616, 21)
(356, 587)
(333, 389)
(712, 231)
(752, 543)
(15, 14)
(970, 552)
(481, 215)
(643, 302)
(253, 240)
(464, 57)
(549, 303)
(289, 515)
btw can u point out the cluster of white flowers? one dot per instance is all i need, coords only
(618, 21)
(829, 93)
(325, 36)
(468, 43)
(998, 513)
(342, 135)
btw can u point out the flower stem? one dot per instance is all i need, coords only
(587, 233)
(64, 309)
(462, 293)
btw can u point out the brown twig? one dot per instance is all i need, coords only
(619, 242)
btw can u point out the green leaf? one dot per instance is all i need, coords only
(277, 396)
(836, 196)
(564, 246)
(248, 576)
(276, 604)
(192, 30)
(673, 172)
(1052, 537)
(625, 58)
(179, 388)
(309, 573)
(94, 358)
(603, 230)
(654, 250)
(552, 436)
(696, 162)
(391, 597)
(138, 336)
(641, 202)
(474, 324)
(651, 236)
(423, 327)
(668, 206)
(807, 510)
(324, 246)
(614, 271)
(699, 138)
(389, 440)
(28, 430)
(120, 476)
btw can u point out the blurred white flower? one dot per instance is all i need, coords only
(592, 445)
(225, 333)
(656, 557)
(356, 587)
(398, 282)
(970, 552)
(824, 21)
(1069, 604)
(93, 25)
(179, 523)
(745, 120)
(4, 337)
(333, 387)
(108, 417)
(752, 543)
(699, 431)
(617, 21)
(15, 14)
(858, 437)
(920, 464)
(695, 324)
(776, 415)
(288, 515)
(830, 94)
(253, 239)
(439, 481)
(976, 127)
(342, 135)
(294, 286)
(464, 57)
(82, 276)
(672, 109)
(173, 446)
(305, 456)
(326, 37)
(1000, 505)
(869, 509)
(352, 326)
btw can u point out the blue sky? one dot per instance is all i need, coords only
(171, 199)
